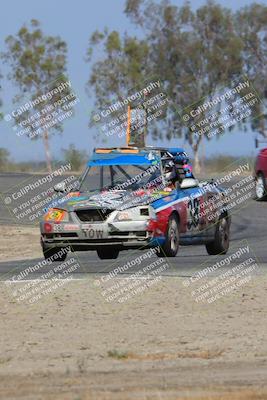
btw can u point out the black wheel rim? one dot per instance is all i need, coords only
(174, 238)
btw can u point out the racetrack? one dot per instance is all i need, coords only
(248, 224)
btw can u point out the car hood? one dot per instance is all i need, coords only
(115, 200)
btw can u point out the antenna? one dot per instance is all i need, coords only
(136, 126)
(128, 132)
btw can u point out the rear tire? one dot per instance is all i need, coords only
(171, 246)
(260, 189)
(51, 252)
(107, 253)
(220, 245)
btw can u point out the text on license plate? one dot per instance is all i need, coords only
(93, 232)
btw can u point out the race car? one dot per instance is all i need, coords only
(261, 175)
(137, 198)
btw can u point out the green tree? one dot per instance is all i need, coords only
(123, 67)
(211, 58)
(194, 53)
(1, 114)
(37, 62)
(75, 157)
(251, 26)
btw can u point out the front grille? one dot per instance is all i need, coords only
(71, 234)
(141, 233)
(60, 235)
(93, 215)
(127, 233)
(119, 233)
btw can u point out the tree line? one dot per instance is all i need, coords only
(194, 52)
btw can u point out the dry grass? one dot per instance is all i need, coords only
(202, 354)
(240, 395)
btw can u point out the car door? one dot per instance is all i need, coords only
(194, 205)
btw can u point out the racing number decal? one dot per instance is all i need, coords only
(193, 213)
(55, 215)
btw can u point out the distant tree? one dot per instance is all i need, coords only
(123, 67)
(4, 157)
(121, 70)
(251, 26)
(75, 157)
(1, 114)
(36, 62)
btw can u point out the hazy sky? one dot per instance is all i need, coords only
(74, 21)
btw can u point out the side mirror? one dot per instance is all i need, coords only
(188, 183)
(60, 187)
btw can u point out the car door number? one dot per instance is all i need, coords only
(193, 213)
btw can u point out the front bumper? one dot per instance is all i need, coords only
(123, 235)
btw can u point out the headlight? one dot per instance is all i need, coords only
(141, 213)
(56, 215)
(144, 211)
(123, 216)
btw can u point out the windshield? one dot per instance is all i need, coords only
(120, 177)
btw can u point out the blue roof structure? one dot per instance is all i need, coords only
(113, 156)
(118, 158)
(175, 150)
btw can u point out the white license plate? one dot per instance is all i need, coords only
(94, 231)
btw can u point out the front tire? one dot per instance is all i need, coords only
(260, 189)
(107, 253)
(171, 246)
(221, 242)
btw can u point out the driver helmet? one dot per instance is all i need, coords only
(169, 171)
(182, 159)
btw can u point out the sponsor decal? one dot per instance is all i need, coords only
(87, 226)
(55, 215)
(77, 200)
(70, 227)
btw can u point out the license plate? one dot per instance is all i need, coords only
(94, 231)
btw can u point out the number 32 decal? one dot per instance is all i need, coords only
(193, 211)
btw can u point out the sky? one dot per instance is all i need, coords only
(75, 21)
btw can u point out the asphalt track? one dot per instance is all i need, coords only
(249, 227)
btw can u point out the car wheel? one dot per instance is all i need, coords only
(107, 253)
(260, 188)
(220, 245)
(54, 251)
(171, 246)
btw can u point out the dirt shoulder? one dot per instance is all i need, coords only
(19, 242)
(160, 345)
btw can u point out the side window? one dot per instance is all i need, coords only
(91, 180)
(106, 176)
